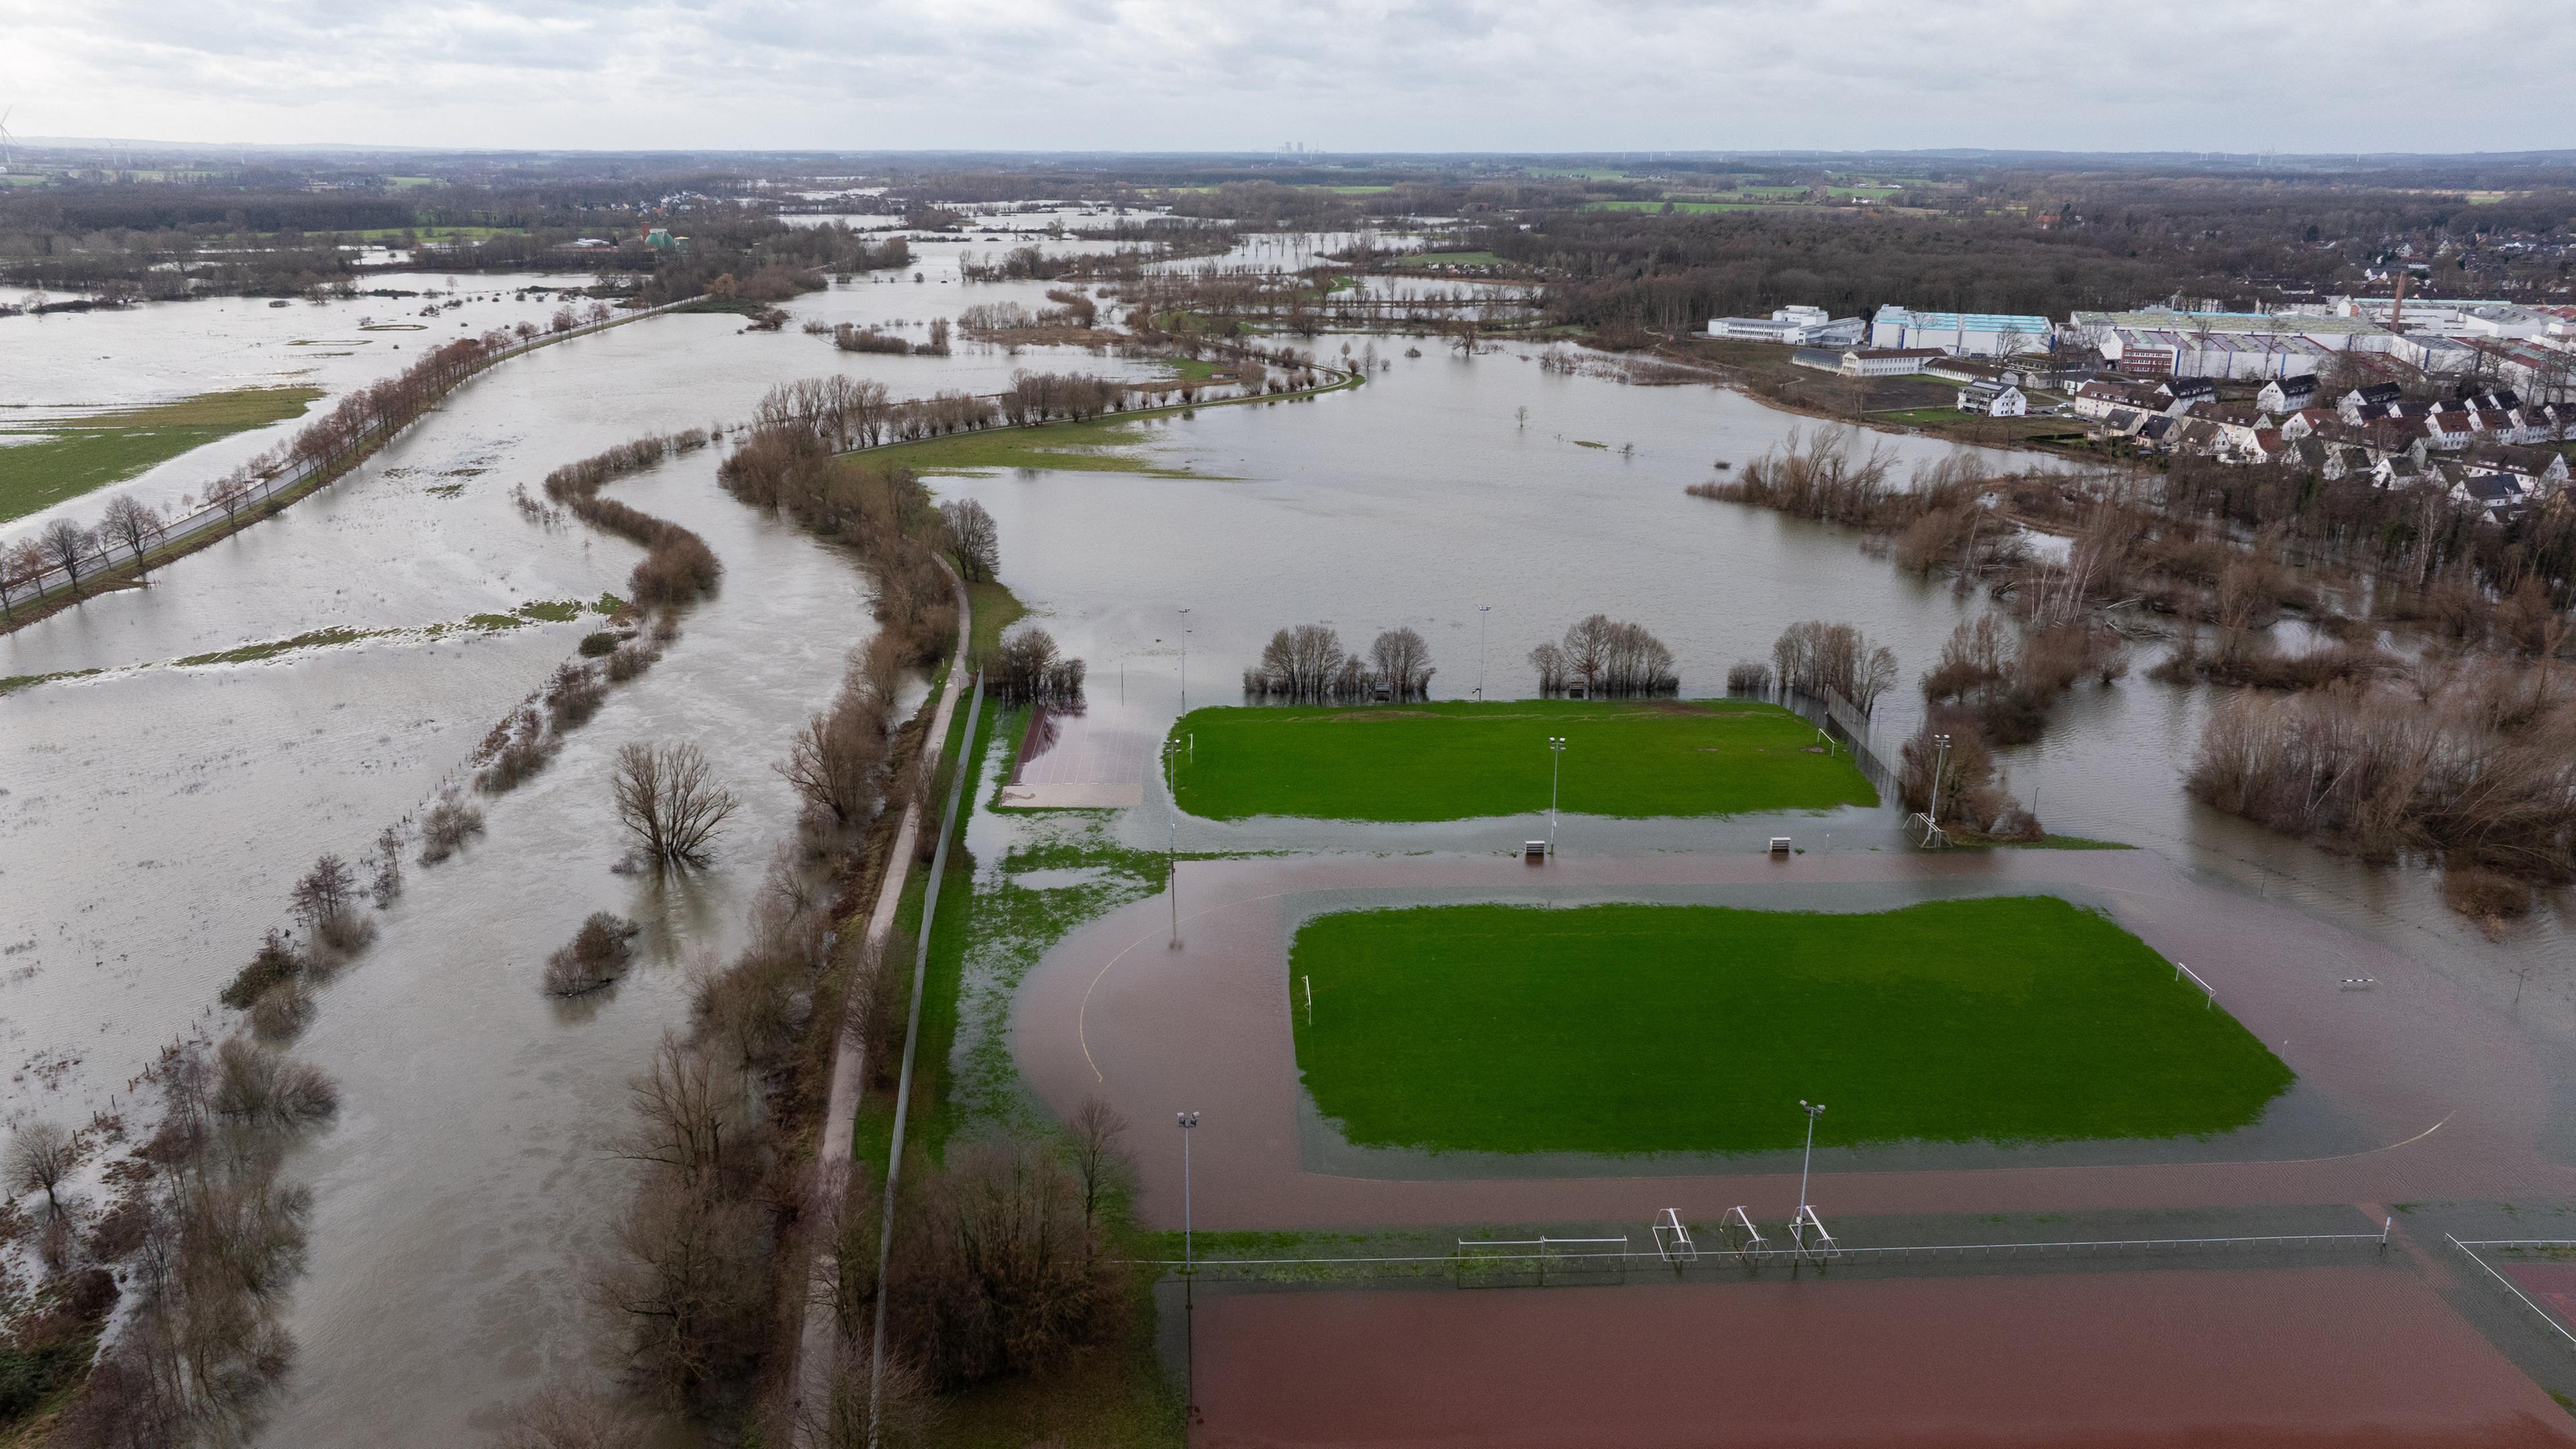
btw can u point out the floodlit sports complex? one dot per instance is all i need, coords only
(2079, 1107)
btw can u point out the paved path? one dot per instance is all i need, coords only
(818, 1344)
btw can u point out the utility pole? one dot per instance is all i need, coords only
(1185, 662)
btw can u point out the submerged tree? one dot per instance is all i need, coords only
(668, 799)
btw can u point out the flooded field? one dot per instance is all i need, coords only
(152, 817)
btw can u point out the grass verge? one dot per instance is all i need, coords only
(1463, 760)
(1640, 1029)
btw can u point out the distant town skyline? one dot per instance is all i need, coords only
(1441, 75)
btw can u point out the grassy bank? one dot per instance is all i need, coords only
(1637, 1029)
(1462, 760)
(42, 464)
(991, 927)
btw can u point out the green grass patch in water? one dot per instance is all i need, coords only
(1463, 760)
(1640, 1029)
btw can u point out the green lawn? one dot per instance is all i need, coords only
(1462, 760)
(1099, 445)
(44, 462)
(1634, 1029)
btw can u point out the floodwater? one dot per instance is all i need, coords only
(1424, 499)
(154, 816)
(156, 352)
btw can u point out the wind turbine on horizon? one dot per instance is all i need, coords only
(7, 157)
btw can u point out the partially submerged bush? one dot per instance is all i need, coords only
(574, 694)
(445, 828)
(600, 642)
(276, 961)
(596, 956)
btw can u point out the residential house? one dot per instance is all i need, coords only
(2489, 493)
(2368, 401)
(2182, 394)
(2235, 423)
(2155, 430)
(2100, 398)
(2123, 422)
(1993, 400)
(2538, 472)
(2450, 428)
(2287, 394)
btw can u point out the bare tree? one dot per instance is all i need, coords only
(388, 881)
(68, 546)
(868, 1406)
(566, 1418)
(668, 798)
(835, 761)
(133, 523)
(977, 538)
(1100, 1165)
(1403, 662)
(41, 1156)
(21, 565)
(324, 892)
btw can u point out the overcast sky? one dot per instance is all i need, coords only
(2235, 75)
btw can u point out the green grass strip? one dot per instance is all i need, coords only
(1641, 1029)
(1464, 760)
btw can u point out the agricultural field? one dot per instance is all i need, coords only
(43, 463)
(1465, 760)
(1642, 1029)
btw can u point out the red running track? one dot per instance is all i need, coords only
(2345, 1356)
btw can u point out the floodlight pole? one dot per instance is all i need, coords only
(1189, 1280)
(1172, 835)
(1555, 770)
(1185, 662)
(1484, 614)
(1813, 1110)
(1940, 762)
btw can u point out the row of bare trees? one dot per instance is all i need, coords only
(1027, 668)
(677, 567)
(1601, 657)
(1307, 664)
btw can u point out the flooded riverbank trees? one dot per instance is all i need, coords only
(1307, 664)
(211, 1238)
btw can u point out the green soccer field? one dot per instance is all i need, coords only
(1636, 1029)
(1462, 760)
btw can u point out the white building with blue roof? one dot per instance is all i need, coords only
(1961, 334)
